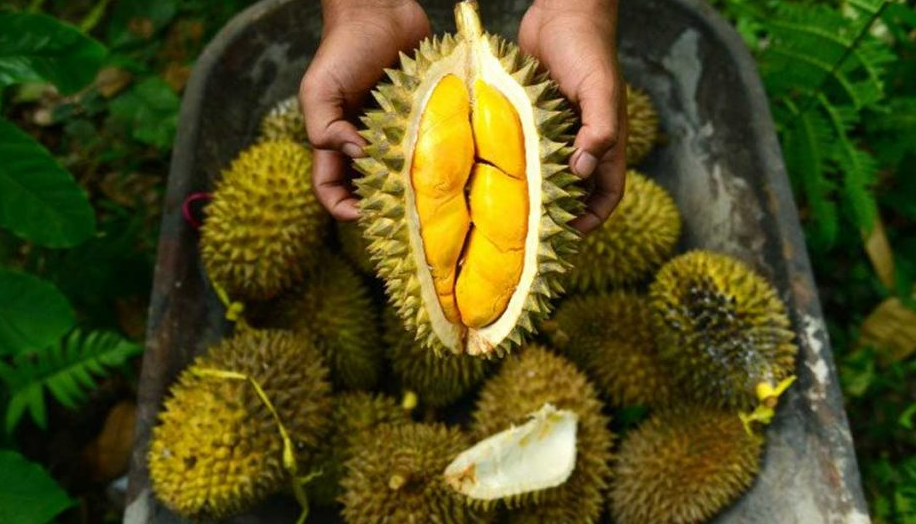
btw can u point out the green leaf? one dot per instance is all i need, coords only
(149, 111)
(33, 313)
(134, 21)
(29, 494)
(36, 47)
(68, 370)
(39, 200)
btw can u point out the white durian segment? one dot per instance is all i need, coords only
(537, 455)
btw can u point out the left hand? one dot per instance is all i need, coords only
(576, 41)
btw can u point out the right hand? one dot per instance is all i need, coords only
(360, 38)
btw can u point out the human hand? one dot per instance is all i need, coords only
(359, 39)
(576, 41)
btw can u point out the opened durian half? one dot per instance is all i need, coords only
(466, 193)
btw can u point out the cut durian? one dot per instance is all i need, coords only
(466, 193)
(539, 454)
(721, 329)
(264, 225)
(524, 384)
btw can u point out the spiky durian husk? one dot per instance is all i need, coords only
(522, 386)
(284, 122)
(353, 245)
(437, 380)
(334, 310)
(264, 225)
(631, 245)
(642, 122)
(217, 449)
(609, 336)
(395, 475)
(355, 412)
(683, 466)
(384, 184)
(721, 328)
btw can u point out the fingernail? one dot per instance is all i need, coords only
(352, 150)
(584, 164)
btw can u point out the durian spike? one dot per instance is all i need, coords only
(467, 18)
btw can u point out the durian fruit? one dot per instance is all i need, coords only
(354, 247)
(218, 449)
(264, 225)
(355, 413)
(721, 329)
(524, 384)
(334, 310)
(284, 122)
(437, 380)
(634, 241)
(466, 193)
(683, 466)
(642, 123)
(537, 455)
(609, 336)
(395, 476)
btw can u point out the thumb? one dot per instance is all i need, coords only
(322, 101)
(598, 102)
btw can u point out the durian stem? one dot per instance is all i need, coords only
(467, 18)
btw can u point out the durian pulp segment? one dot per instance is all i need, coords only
(489, 316)
(537, 455)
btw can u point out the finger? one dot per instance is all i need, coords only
(598, 100)
(610, 182)
(323, 105)
(331, 186)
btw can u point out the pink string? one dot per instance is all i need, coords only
(186, 207)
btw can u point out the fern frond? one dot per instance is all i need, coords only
(858, 166)
(806, 146)
(68, 370)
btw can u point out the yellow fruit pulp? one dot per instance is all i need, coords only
(468, 177)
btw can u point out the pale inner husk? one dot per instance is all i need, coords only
(537, 455)
(471, 60)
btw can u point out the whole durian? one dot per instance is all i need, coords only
(683, 466)
(217, 450)
(609, 336)
(522, 386)
(355, 413)
(353, 245)
(721, 329)
(466, 193)
(263, 225)
(284, 122)
(437, 380)
(395, 476)
(642, 124)
(634, 241)
(334, 310)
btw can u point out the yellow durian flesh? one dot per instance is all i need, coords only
(466, 194)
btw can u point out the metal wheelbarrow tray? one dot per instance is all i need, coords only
(721, 163)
